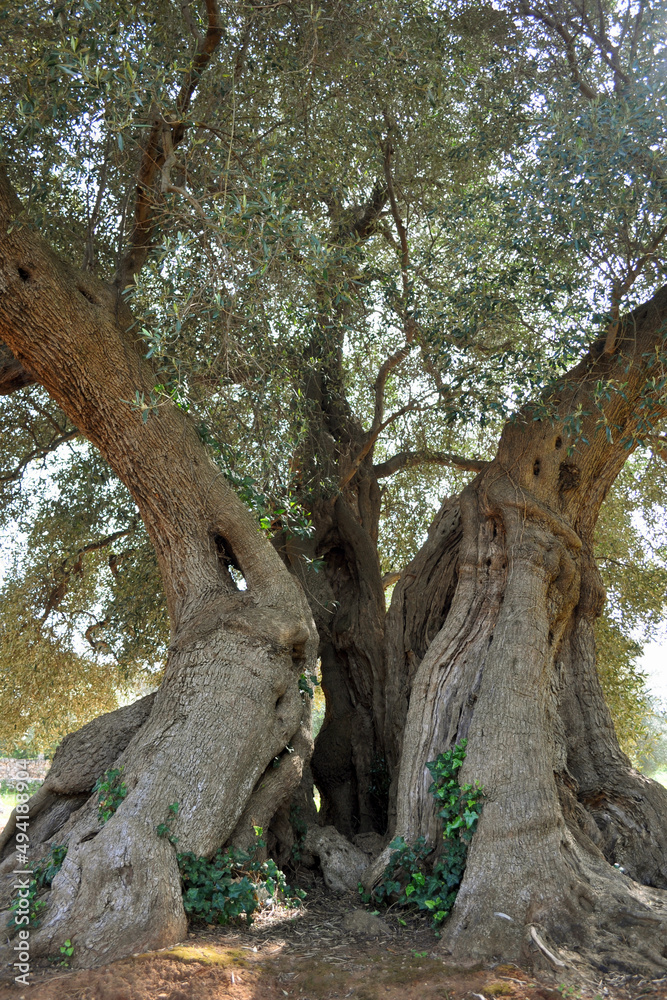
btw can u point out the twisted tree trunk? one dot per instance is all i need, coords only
(347, 601)
(513, 670)
(346, 595)
(230, 700)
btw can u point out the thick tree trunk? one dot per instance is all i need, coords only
(230, 701)
(419, 607)
(347, 600)
(513, 670)
(346, 595)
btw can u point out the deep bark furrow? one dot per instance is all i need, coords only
(348, 762)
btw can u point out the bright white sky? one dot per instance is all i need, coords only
(654, 663)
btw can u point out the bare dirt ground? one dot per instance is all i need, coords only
(309, 955)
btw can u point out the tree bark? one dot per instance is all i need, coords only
(512, 669)
(230, 700)
(419, 607)
(13, 375)
(346, 595)
(347, 600)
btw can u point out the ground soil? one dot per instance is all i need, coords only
(308, 955)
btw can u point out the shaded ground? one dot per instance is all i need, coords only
(310, 955)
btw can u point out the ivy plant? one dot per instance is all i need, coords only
(111, 791)
(409, 879)
(164, 830)
(232, 884)
(43, 874)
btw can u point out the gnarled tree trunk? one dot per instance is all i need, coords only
(512, 669)
(347, 601)
(230, 701)
(346, 595)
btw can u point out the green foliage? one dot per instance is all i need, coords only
(66, 952)
(111, 791)
(67, 949)
(307, 684)
(232, 885)
(43, 874)
(8, 787)
(631, 551)
(83, 616)
(164, 830)
(407, 879)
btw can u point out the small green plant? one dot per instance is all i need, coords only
(111, 791)
(232, 884)
(164, 830)
(66, 950)
(408, 879)
(43, 874)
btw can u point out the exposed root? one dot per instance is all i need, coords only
(81, 758)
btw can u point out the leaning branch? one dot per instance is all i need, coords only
(410, 459)
(37, 454)
(163, 138)
(56, 596)
(13, 375)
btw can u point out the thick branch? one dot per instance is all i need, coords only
(13, 375)
(365, 224)
(65, 326)
(409, 459)
(163, 138)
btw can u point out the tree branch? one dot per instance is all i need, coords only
(93, 219)
(13, 375)
(372, 437)
(622, 289)
(410, 459)
(36, 454)
(568, 41)
(366, 218)
(59, 591)
(409, 325)
(163, 138)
